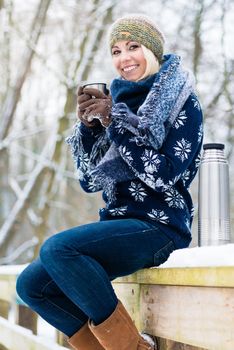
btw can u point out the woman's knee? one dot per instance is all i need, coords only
(26, 283)
(31, 283)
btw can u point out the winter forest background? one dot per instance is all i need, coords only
(47, 47)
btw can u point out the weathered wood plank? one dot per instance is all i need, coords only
(166, 344)
(4, 308)
(26, 317)
(14, 337)
(129, 294)
(61, 339)
(221, 276)
(201, 317)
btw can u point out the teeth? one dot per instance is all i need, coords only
(127, 69)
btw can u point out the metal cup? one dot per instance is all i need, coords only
(99, 86)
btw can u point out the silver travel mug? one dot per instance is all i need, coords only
(99, 86)
(213, 197)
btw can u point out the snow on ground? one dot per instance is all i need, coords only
(222, 255)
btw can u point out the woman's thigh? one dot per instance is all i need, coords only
(121, 246)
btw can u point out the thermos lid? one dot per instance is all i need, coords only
(213, 146)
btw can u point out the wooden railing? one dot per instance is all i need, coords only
(187, 308)
(192, 306)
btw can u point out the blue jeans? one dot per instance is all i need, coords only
(70, 282)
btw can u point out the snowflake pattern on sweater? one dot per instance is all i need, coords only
(159, 193)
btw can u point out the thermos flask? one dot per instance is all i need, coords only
(213, 197)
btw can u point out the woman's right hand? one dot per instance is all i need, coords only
(82, 97)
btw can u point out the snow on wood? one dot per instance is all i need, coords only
(222, 255)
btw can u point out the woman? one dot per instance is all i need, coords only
(141, 147)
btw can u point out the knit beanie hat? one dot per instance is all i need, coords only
(139, 28)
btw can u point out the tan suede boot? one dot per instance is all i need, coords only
(84, 340)
(118, 332)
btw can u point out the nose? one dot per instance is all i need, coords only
(125, 56)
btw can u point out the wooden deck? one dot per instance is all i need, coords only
(187, 308)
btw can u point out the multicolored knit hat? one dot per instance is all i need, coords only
(138, 28)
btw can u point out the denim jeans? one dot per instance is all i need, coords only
(70, 282)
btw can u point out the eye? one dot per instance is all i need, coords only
(133, 47)
(115, 52)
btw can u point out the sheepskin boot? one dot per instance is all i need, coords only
(84, 340)
(118, 332)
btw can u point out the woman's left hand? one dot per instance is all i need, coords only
(98, 107)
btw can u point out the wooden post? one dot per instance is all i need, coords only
(4, 308)
(26, 318)
(4, 311)
(61, 339)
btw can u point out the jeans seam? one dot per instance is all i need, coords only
(104, 284)
(60, 308)
(118, 235)
(57, 306)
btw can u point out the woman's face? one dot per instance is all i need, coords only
(128, 58)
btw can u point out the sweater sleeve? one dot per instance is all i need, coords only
(160, 169)
(82, 143)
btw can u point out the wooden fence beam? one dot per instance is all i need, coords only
(15, 337)
(26, 318)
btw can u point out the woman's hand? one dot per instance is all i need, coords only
(81, 112)
(98, 107)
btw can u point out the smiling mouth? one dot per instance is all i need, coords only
(130, 68)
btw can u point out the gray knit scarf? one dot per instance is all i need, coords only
(150, 126)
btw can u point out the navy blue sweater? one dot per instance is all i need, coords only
(160, 192)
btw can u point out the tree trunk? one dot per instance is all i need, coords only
(13, 95)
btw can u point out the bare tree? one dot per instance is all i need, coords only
(12, 99)
(43, 174)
